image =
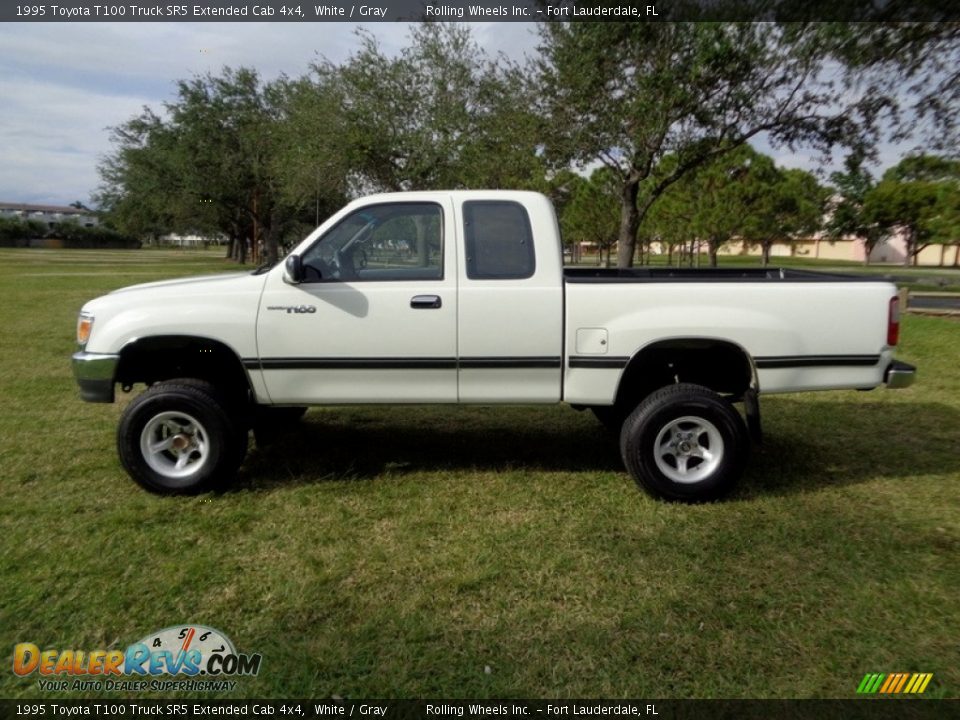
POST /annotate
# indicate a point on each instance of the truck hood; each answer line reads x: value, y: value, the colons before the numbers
x: 220, y: 307
x: 195, y: 292
x: 212, y: 280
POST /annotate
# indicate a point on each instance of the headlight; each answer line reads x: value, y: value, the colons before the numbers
x: 84, y: 328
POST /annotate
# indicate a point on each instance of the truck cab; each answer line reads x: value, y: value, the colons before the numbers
x: 426, y: 297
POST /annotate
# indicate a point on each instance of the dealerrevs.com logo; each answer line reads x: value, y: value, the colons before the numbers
x: 205, y: 656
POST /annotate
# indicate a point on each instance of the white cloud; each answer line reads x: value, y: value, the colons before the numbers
x: 52, y: 135
x: 63, y: 84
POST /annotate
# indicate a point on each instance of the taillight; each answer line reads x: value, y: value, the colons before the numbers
x: 893, y: 321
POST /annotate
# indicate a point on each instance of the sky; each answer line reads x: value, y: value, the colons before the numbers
x: 63, y: 85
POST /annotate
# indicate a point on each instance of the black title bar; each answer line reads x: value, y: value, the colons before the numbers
x: 482, y: 11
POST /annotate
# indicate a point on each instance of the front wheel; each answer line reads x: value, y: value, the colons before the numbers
x: 684, y: 442
x: 177, y: 437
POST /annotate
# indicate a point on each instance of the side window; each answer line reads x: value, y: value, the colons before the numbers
x: 397, y: 241
x: 498, y: 240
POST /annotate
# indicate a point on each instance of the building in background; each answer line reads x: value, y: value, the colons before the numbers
x: 50, y: 215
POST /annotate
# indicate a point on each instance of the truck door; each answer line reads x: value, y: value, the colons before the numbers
x: 374, y: 319
x: 510, y: 326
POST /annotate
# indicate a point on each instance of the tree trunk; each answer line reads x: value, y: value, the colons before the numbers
x: 629, y: 223
x: 712, y: 247
x: 272, y: 238
x: 242, y: 250
x: 765, y: 249
x: 909, y: 243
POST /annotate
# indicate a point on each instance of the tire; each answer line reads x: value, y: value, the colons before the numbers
x: 197, y: 444
x: 684, y: 442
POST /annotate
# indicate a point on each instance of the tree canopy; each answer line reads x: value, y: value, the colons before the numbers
x: 652, y: 104
x: 629, y: 95
x: 208, y: 164
x: 441, y: 114
x: 742, y: 196
x: 918, y: 198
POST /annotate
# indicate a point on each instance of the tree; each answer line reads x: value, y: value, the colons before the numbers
x: 208, y: 164
x: 591, y: 214
x: 917, y: 198
x: 721, y: 193
x: 849, y: 213
x: 780, y: 205
x: 311, y: 163
x: 441, y: 114
x: 910, y: 71
x: 140, y: 193
x: 228, y: 127
x: 670, y: 220
x: 629, y: 95
x: 945, y: 224
x: 744, y: 196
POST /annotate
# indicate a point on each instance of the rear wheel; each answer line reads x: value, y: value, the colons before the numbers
x: 177, y: 437
x: 684, y: 442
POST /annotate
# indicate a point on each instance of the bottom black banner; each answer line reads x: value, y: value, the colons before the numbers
x: 868, y: 709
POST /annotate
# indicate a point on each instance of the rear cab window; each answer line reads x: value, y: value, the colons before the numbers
x: 498, y: 240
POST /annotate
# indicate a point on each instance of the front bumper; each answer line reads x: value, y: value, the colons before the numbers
x: 899, y: 375
x: 95, y: 373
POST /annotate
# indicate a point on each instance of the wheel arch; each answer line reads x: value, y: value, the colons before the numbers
x: 155, y: 358
x: 719, y: 364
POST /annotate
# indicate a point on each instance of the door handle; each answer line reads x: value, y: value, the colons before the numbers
x: 426, y: 302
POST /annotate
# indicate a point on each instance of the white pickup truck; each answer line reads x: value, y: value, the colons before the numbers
x: 461, y: 297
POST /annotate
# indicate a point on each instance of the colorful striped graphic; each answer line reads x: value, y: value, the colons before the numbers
x: 894, y: 683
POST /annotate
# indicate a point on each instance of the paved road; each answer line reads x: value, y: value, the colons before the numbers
x: 921, y: 302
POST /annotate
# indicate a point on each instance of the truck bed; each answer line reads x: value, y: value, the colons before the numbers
x: 670, y: 274
x: 802, y: 330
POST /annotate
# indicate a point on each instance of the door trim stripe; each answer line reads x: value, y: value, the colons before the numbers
x: 402, y: 363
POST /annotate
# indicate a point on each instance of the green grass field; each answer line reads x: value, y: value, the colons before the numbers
x: 476, y: 552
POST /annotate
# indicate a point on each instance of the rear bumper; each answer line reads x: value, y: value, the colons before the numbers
x: 899, y: 375
x: 95, y: 373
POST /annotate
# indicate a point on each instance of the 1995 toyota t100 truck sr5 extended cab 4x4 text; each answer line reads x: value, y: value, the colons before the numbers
x: 461, y: 297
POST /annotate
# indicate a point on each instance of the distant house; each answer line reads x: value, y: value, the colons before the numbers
x: 48, y: 214
x: 191, y: 240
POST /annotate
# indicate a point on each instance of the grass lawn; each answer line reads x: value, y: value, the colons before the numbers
x: 476, y: 552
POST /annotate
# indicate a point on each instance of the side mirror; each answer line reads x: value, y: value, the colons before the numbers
x: 293, y: 270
